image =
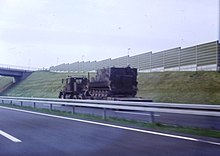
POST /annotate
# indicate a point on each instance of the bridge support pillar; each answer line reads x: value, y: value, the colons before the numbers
x: 16, y: 79
x: 13, y: 80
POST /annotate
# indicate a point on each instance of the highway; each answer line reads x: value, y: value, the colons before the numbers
x: 47, y: 135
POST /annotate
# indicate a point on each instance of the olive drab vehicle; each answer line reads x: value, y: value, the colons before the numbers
x: 74, y: 88
x: 108, y: 83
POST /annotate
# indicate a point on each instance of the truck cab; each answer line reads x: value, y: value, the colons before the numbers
x: 74, y: 88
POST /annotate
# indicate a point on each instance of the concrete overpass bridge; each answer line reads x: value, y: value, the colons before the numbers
x: 15, y: 72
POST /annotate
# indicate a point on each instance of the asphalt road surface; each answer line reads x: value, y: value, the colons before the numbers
x: 46, y: 135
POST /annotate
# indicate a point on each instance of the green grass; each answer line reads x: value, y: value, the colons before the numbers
x: 40, y: 84
x: 179, y: 87
x: 4, y: 81
x: 125, y: 122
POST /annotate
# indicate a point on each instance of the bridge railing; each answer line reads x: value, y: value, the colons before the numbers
x: 190, y: 109
x: 6, y: 66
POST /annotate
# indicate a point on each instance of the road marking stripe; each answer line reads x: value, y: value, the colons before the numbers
x: 10, y: 137
x: 119, y: 127
x: 135, y: 113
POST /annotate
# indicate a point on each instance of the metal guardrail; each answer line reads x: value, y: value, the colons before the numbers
x: 190, y: 109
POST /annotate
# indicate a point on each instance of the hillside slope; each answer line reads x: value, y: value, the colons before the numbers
x: 38, y: 84
x: 180, y: 87
x: 5, y: 82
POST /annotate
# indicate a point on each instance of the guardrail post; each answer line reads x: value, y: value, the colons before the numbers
x: 21, y: 103
x: 2, y: 101
x: 104, y: 114
x: 51, y: 107
x: 151, y: 118
x: 73, y: 110
x: 11, y: 102
x: 34, y: 105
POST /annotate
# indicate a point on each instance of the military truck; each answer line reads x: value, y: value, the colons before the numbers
x: 108, y: 83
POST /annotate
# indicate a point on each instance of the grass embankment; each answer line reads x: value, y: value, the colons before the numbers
x: 181, y: 87
x: 40, y: 84
x: 125, y: 122
x: 5, y: 81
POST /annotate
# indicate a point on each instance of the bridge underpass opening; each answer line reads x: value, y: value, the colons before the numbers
x: 17, y: 74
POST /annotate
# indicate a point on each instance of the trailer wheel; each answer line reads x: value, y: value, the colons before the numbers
x: 60, y: 95
x: 64, y: 96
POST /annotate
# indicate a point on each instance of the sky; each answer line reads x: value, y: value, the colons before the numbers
x: 44, y: 33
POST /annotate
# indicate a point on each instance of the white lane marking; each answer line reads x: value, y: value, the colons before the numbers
x: 135, y: 113
x: 10, y: 137
x: 119, y: 127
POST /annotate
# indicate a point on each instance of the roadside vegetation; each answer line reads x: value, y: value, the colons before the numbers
x: 5, y: 82
x: 179, y: 87
x: 126, y: 122
x: 40, y: 84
